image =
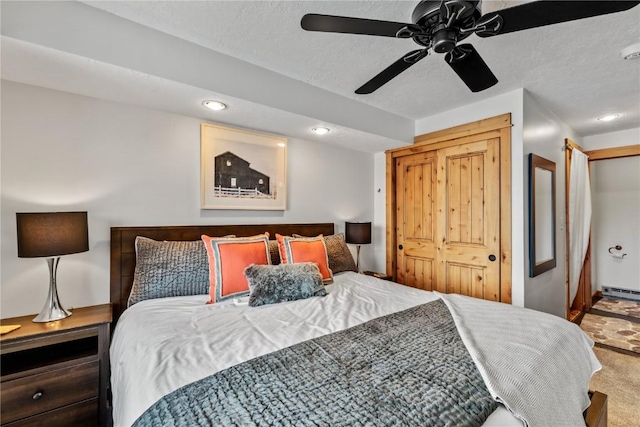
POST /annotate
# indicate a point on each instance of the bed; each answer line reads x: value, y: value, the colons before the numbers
x: 534, y: 366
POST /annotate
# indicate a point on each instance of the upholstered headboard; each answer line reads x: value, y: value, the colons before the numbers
x: 123, y: 254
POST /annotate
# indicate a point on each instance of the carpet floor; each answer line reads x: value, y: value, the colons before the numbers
x: 618, y: 306
x: 614, y: 325
x: 620, y: 381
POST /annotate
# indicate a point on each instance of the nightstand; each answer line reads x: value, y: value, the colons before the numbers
x: 378, y: 275
x: 56, y: 373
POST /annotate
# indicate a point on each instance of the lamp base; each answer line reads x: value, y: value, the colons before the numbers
x: 50, y: 314
x: 52, y: 309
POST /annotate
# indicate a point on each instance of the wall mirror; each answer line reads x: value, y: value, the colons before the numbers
x: 542, y: 215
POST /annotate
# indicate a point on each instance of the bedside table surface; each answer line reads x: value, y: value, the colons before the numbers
x: 81, y: 318
x: 382, y: 276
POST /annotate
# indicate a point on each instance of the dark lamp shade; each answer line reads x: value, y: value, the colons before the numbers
x: 358, y: 233
x: 52, y: 234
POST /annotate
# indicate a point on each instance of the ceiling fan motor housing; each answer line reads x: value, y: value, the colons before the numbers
x: 437, y: 33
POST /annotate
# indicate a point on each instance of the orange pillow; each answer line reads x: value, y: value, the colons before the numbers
x: 228, y: 257
x: 305, y: 249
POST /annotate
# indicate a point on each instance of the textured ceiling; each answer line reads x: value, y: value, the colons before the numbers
x: 574, y: 69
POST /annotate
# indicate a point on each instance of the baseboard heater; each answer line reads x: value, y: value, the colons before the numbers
x: 621, y: 293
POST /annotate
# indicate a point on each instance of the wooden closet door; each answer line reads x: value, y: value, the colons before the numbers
x: 416, y: 190
x: 468, y: 217
x: 448, y: 219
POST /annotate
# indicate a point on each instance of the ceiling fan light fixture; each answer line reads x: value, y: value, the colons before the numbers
x: 608, y: 117
x: 214, y: 105
x: 444, y: 40
x: 320, y: 130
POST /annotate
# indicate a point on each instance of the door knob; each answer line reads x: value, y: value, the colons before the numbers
x: 492, y: 257
x: 400, y: 247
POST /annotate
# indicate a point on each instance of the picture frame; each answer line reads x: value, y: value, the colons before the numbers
x: 242, y: 169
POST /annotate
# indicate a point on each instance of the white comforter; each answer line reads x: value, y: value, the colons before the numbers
x: 536, y: 364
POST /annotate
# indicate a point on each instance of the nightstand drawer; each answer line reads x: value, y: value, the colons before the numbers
x: 83, y: 414
x: 33, y: 394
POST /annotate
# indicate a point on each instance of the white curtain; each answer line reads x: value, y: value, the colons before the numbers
x: 579, y: 217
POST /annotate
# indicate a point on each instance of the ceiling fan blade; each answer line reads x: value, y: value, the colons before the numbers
x: 471, y: 68
x: 343, y: 24
x: 392, y: 71
x: 541, y: 13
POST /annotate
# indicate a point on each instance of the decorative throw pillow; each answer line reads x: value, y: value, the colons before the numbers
x: 228, y: 257
x: 305, y: 249
x: 272, y: 284
x: 168, y: 269
x: 274, y: 252
x: 340, y: 258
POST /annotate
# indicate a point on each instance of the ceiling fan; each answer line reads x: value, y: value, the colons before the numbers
x: 439, y: 25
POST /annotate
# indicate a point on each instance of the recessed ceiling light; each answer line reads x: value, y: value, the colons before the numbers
x: 631, y: 52
x: 609, y: 117
x: 214, y: 105
x: 320, y: 130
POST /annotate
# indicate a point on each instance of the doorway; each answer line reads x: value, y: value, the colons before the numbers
x: 583, y: 299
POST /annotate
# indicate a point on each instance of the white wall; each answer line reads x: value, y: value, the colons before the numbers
x: 131, y: 166
x: 615, y: 187
x: 380, y: 214
x: 544, y: 134
x: 612, y: 139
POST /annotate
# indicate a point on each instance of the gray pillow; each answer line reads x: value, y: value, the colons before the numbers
x: 339, y: 255
x: 271, y: 284
x: 169, y: 269
x: 274, y: 252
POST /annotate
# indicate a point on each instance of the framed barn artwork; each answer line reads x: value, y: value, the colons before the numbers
x: 242, y: 169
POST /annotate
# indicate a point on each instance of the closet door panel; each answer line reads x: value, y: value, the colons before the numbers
x: 419, y: 273
x: 416, y: 220
x: 468, y: 207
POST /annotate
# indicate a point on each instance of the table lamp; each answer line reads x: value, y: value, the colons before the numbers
x: 358, y: 233
x: 51, y: 235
